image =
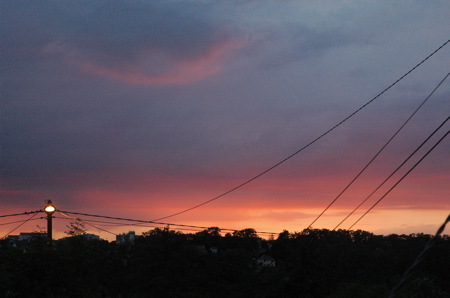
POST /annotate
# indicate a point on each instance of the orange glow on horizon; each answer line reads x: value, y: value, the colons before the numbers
x: 379, y: 222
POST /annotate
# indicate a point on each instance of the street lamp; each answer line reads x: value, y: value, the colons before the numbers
x: 49, y: 209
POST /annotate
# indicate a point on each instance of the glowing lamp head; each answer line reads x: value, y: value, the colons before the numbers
x: 49, y: 209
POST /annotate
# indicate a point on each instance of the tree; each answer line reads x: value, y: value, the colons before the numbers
x: 246, y: 233
x: 284, y: 235
x: 213, y: 231
x: 40, y: 229
x: 76, y: 228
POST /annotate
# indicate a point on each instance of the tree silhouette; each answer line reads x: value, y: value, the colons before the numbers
x: 166, y: 263
x: 76, y: 228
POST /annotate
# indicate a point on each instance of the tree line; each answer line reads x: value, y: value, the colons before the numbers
x: 167, y: 263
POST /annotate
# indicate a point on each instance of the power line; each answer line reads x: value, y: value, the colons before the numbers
x: 309, y: 144
x: 378, y: 153
x: 71, y: 217
x: 35, y: 213
x: 376, y: 203
x: 25, y: 220
x: 152, y: 222
x: 118, y: 224
x: 100, y: 221
x: 395, y: 171
x: 142, y: 225
x: 419, y: 258
x: 24, y: 213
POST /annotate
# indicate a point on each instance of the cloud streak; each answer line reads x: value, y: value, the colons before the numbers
x: 180, y: 72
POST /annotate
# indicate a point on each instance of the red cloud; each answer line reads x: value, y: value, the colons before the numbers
x: 182, y: 72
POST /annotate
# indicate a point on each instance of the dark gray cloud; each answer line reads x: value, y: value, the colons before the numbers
x: 49, y: 123
x: 118, y: 35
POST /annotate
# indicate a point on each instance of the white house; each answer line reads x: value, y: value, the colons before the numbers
x: 265, y: 261
x: 126, y: 238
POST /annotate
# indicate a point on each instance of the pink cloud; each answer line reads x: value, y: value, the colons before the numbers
x: 180, y: 72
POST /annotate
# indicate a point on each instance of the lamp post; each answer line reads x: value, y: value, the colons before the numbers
x: 49, y: 209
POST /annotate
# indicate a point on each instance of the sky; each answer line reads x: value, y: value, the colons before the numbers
x: 143, y: 109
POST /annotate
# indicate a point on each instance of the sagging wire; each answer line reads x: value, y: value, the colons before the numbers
x: 419, y: 259
x: 4, y: 237
x: 80, y: 220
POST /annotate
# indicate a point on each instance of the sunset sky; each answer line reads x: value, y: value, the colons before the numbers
x: 143, y: 109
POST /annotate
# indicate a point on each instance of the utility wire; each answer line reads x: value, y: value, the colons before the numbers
x: 100, y: 221
x: 4, y: 237
x: 392, y: 174
x: 71, y: 217
x: 153, y: 222
x: 118, y: 224
x: 103, y: 223
x: 25, y: 213
x: 309, y: 144
x: 419, y: 258
x: 378, y: 153
x: 143, y: 225
x: 13, y: 222
x: 376, y: 203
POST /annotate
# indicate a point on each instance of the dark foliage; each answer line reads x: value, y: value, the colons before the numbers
x: 166, y: 263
